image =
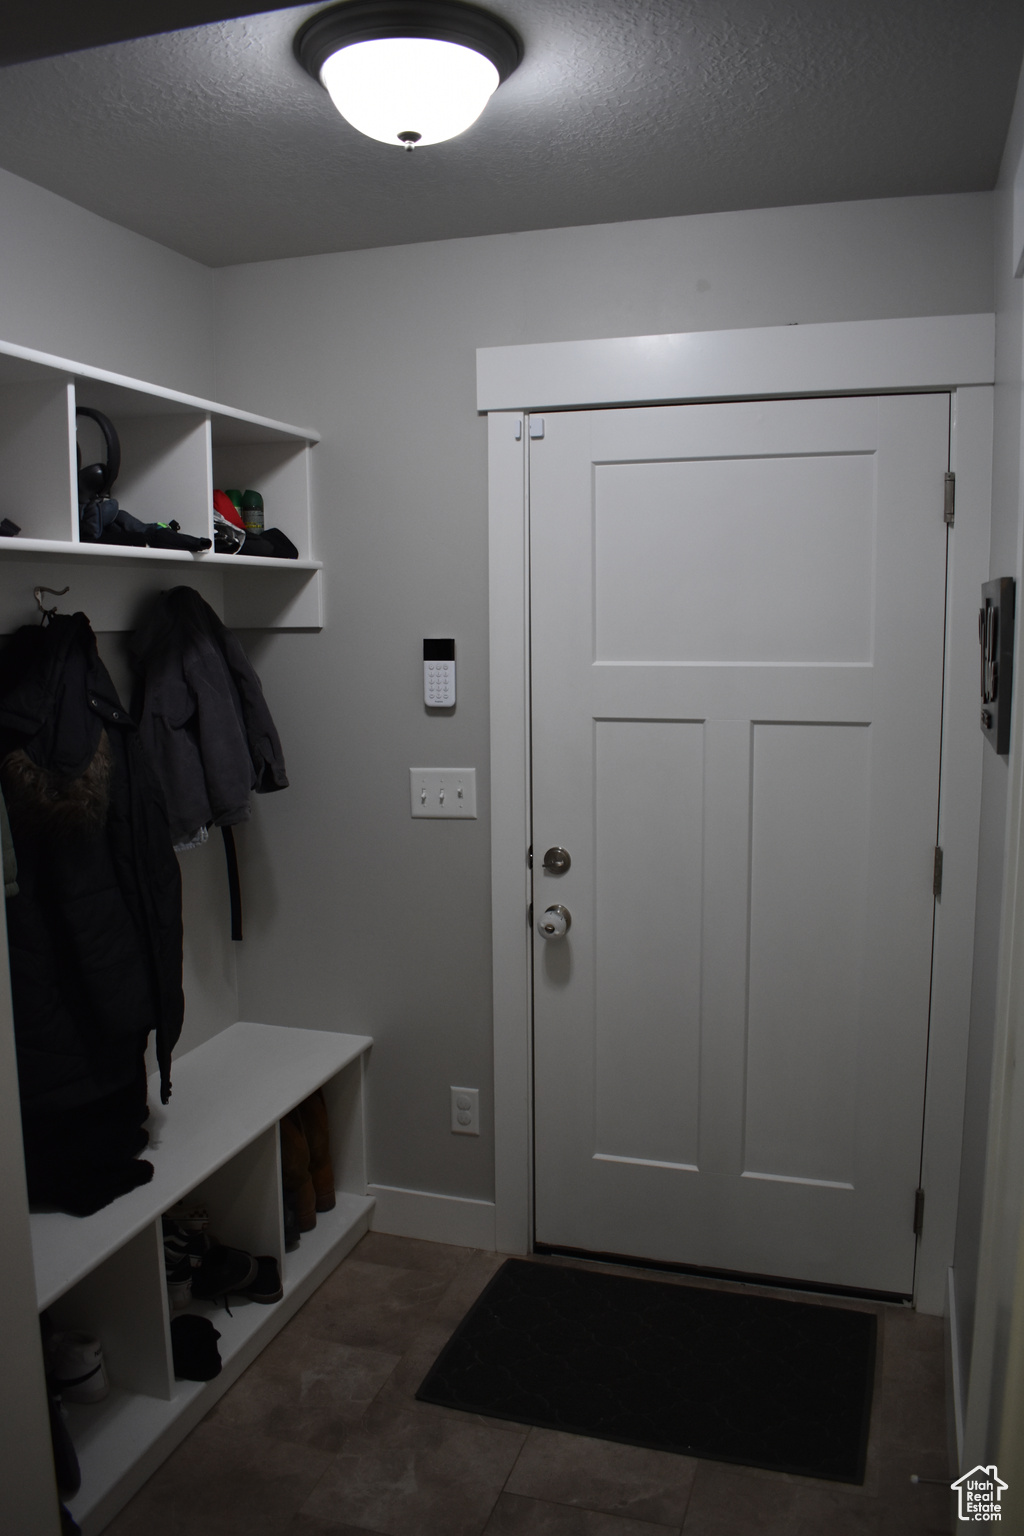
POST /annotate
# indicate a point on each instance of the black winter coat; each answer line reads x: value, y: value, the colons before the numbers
x: 95, y: 931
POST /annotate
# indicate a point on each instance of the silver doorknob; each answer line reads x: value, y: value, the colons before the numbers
x: 555, y: 922
x: 557, y: 861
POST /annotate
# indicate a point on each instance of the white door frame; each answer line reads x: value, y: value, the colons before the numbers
x: 950, y: 352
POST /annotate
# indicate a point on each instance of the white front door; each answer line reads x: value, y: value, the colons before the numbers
x: 737, y: 649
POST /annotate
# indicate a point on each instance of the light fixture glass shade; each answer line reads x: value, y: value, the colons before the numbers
x: 394, y: 86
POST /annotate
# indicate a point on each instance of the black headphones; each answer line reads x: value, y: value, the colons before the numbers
x: 95, y: 480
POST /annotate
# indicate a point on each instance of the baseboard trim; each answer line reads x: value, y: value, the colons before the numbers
x: 955, y: 1380
x: 436, y: 1218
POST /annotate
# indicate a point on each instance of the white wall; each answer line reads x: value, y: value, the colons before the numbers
x: 358, y: 916
x: 76, y: 285
x: 1005, y: 561
x: 989, y: 1258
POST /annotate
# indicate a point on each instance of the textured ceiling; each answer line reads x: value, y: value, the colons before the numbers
x: 216, y: 143
x: 38, y: 29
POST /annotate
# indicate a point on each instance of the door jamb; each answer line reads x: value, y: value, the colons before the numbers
x: 954, y: 353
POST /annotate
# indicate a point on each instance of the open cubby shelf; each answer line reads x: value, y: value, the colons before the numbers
x: 175, y: 448
x: 216, y: 1142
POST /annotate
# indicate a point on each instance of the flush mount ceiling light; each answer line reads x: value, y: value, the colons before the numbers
x: 410, y: 73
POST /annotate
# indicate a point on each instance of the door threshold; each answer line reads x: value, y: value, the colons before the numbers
x: 737, y: 1277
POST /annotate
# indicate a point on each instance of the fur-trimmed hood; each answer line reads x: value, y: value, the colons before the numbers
x: 51, y: 800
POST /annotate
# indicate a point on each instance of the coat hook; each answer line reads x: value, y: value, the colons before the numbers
x: 47, y: 613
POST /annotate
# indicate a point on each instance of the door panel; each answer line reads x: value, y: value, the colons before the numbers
x: 808, y: 887
x: 681, y: 551
x: 649, y: 779
x: 737, y: 630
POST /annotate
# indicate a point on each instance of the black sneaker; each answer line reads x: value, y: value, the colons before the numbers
x: 267, y: 1286
x: 185, y: 1243
x: 221, y: 1272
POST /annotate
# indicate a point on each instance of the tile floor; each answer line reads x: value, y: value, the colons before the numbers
x: 322, y: 1436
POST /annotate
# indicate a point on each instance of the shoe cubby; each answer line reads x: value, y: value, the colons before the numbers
x: 174, y: 449
x: 37, y: 490
x: 273, y: 465
x: 164, y: 458
x: 215, y: 1144
x: 243, y: 1199
x: 136, y: 1353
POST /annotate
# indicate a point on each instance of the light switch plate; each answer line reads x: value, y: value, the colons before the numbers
x: 443, y: 792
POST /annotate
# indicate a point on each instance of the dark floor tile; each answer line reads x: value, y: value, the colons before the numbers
x: 399, y: 1391
x: 398, y: 1394
x: 222, y: 1481
x: 411, y: 1253
x: 915, y: 1509
x: 913, y: 1352
x: 466, y: 1286
x: 410, y: 1475
x: 900, y: 1460
x: 306, y: 1390
x: 316, y: 1525
x: 372, y: 1305
x: 515, y: 1516
x: 739, y: 1501
x: 913, y: 1384
x: 624, y: 1480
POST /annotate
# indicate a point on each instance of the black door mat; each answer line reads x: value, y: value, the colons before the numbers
x: 784, y: 1385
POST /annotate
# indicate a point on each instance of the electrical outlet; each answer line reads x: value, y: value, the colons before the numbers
x: 443, y: 792
x: 466, y: 1111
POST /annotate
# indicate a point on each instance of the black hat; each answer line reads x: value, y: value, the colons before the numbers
x: 194, y: 1348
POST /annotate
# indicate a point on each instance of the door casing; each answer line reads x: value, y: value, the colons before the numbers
x: 953, y: 353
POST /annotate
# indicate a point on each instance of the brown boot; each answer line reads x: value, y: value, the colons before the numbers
x: 298, y: 1186
x: 312, y: 1114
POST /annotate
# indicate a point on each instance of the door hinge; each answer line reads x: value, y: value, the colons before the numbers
x: 949, y: 498
x: 918, y: 1212
x: 529, y: 857
x: 937, y: 874
x: 529, y: 915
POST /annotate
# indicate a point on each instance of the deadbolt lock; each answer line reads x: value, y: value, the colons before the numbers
x: 557, y: 861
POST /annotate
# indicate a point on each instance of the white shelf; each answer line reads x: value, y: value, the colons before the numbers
x: 113, y: 554
x: 24, y: 364
x: 223, y: 1095
x: 175, y: 449
x: 216, y: 1140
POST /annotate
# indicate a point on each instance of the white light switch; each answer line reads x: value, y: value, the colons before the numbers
x: 443, y: 792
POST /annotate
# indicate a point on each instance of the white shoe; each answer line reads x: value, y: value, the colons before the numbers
x: 77, y: 1371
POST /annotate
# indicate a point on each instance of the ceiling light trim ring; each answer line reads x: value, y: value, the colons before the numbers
x: 449, y: 21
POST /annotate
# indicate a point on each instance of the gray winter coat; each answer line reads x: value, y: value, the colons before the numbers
x: 202, y: 715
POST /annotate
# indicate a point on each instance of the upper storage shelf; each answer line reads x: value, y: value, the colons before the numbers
x: 175, y: 448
